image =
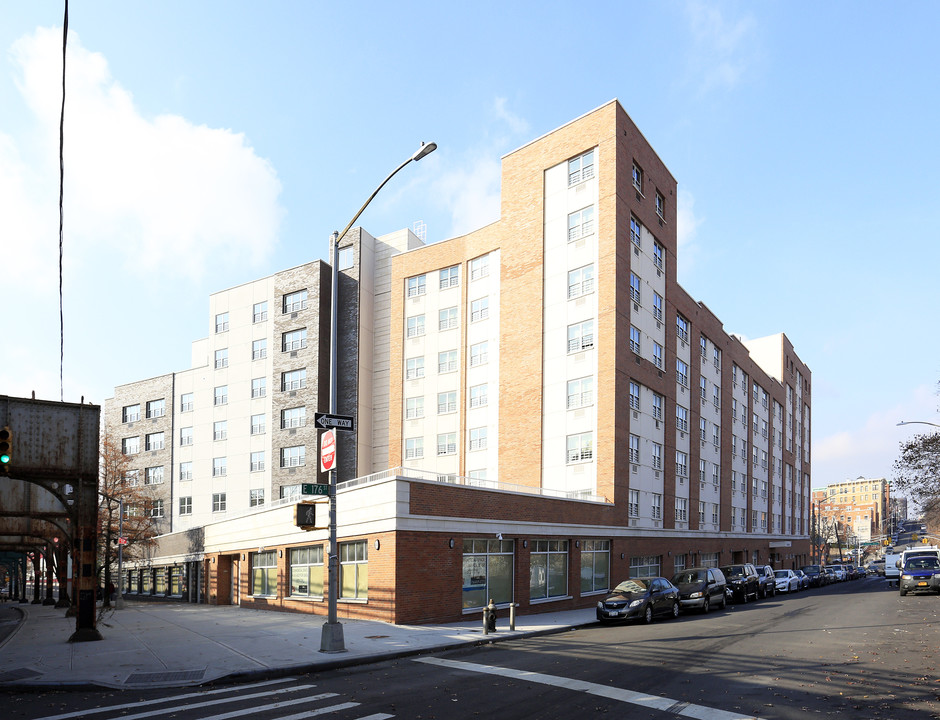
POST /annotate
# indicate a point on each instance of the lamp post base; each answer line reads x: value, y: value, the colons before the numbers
x: 331, y: 638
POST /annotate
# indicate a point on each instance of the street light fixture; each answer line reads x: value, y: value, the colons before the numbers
x: 331, y: 637
x: 917, y: 422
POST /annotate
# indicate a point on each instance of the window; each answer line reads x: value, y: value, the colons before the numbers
x: 449, y: 277
x: 156, y: 508
x: 256, y: 497
x: 221, y: 322
x: 716, y: 357
x: 479, y: 309
x: 130, y: 413
x: 634, y: 506
x: 414, y: 448
x: 580, y: 447
x: 581, y: 168
x: 153, y: 476
x: 479, y: 354
x: 634, y: 287
x: 257, y: 424
x: 131, y: 445
x: 581, y: 336
x: 447, y: 361
x: 635, y: 339
x: 658, y: 355
x: 635, y: 234
x: 294, y: 456
x: 657, y: 456
x: 682, y: 464
x: 660, y: 205
x: 548, y: 569
x: 153, y: 441
x: 446, y: 402
x: 414, y: 408
x: 580, y: 393
x: 186, y: 470
x: 682, y: 328
x: 595, y: 565
x: 447, y: 319
x: 218, y: 502
x: 682, y: 373
x: 257, y: 461
x: 259, y: 349
x: 682, y: 509
x: 306, y: 571
x: 657, y: 406
x: 414, y: 368
x: 417, y: 285
x: 634, y: 396
x: 220, y: 395
x: 478, y: 437
x: 580, y: 281
x: 294, y: 340
x: 658, y: 255
x: 186, y: 402
x: 414, y: 326
x: 682, y: 418
x: 264, y: 573
x: 638, y: 178
x: 186, y: 506
x: 354, y: 570
x: 480, y: 267
x: 220, y: 430
x: 156, y: 408
x: 581, y: 224
x: 716, y: 397
x: 479, y: 396
x: 658, y: 306
x: 487, y: 572
x: 447, y: 444
x: 656, y: 506
x: 221, y: 358
x: 219, y: 467
x: 259, y: 311
x: 701, y: 513
x: 703, y: 387
x: 290, y: 492
x: 634, y: 448
x: 294, y: 379
x: 346, y: 257
x: 646, y: 566
x: 293, y: 417
x: 295, y: 301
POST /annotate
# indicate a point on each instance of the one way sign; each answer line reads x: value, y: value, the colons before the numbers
x: 337, y: 422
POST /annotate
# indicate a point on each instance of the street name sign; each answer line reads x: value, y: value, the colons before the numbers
x: 338, y: 422
x: 314, y: 489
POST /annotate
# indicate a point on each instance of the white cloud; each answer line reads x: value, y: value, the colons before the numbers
x: 142, y: 193
x: 687, y: 225
x: 722, y: 50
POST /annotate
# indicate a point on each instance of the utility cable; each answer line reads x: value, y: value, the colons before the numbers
x: 65, y: 35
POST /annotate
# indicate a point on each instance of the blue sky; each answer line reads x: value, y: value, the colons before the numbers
x: 212, y: 143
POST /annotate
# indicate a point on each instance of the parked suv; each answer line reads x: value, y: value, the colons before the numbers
x: 768, y: 583
x: 743, y: 582
x: 700, y: 588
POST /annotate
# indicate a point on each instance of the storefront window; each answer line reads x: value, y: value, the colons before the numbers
x: 487, y: 572
x: 548, y: 569
x: 306, y: 571
x: 176, y: 581
x: 354, y: 570
x: 595, y: 565
x: 145, y: 583
x: 264, y: 573
x: 161, y: 581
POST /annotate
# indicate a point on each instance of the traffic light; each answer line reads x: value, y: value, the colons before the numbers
x: 6, y: 446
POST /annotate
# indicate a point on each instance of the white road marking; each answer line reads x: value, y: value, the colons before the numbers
x: 377, y: 716
x: 275, y: 706
x: 655, y: 702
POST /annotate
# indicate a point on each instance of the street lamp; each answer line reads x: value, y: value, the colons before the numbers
x: 917, y: 422
x: 331, y: 637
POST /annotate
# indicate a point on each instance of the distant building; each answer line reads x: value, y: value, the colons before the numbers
x: 857, y: 507
x: 541, y: 411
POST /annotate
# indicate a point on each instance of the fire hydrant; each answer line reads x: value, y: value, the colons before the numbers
x: 489, y: 618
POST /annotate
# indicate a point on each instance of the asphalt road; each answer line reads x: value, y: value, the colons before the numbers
x: 855, y: 649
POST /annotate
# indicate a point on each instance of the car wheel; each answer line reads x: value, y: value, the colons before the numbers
x: 648, y: 614
x: 724, y: 601
x: 675, y: 610
x: 705, y: 607
x: 903, y: 592
x: 744, y: 596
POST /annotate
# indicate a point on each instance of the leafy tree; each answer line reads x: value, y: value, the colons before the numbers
x: 917, y: 470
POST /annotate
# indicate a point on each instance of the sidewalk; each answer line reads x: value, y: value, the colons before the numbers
x: 167, y: 645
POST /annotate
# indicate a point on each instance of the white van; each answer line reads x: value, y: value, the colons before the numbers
x: 922, y: 551
x: 892, y: 566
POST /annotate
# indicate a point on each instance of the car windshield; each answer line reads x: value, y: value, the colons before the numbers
x: 632, y: 586
x: 781, y: 574
x: 810, y: 569
x: 923, y: 563
x: 692, y: 576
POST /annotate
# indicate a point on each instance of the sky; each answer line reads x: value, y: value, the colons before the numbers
x: 213, y: 143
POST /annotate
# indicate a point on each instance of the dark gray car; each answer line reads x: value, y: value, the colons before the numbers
x: 700, y: 588
x: 743, y: 581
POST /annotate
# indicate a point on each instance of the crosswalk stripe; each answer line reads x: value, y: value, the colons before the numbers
x: 377, y: 716
x: 275, y: 706
x: 656, y: 702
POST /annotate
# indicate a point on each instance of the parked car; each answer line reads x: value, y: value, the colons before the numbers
x: 743, y: 582
x: 804, y: 579
x: 786, y: 581
x: 838, y: 571
x: 920, y: 574
x: 830, y: 575
x: 816, y: 575
x: 767, y: 584
x: 640, y: 599
x: 700, y: 588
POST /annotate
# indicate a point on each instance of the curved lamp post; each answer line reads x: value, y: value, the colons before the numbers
x: 331, y: 636
x: 918, y: 422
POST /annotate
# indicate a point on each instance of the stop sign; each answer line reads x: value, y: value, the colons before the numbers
x: 327, y: 451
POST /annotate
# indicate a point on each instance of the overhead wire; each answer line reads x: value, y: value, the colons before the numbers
x: 65, y: 35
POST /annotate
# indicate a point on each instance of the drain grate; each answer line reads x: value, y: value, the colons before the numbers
x: 375, y: 637
x: 161, y: 677
x: 18, y: 674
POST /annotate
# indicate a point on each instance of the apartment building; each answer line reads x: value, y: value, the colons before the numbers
x: 541, y: 411
x: 859, y: 508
